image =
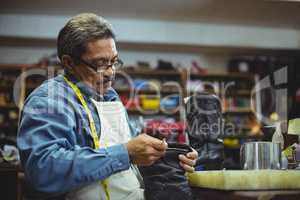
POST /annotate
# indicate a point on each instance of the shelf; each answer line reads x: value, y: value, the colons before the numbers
x: 238, y: 93
x: 17, y: 66
x: 180, y: 77
x: 244, y: 136
x: 8, y: 86
x: 232, y: 148
x: 239, y: 111
x: 7, y: 167
x: 223, y: 76
x: 245, y: 128
x: 9, y: 125
x: 195, y: 48
x: 146, y: 91
x: 152, y: 112
x: 32, y: 86
x: 8, y: 106
x: 151, y: 72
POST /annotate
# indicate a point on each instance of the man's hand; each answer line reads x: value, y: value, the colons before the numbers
x: 188, y: 161
x: 145, y: 150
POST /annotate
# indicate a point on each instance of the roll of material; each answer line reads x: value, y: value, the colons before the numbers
x: 246, y: 179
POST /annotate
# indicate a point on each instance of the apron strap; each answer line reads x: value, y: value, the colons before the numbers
x: 92, y: 126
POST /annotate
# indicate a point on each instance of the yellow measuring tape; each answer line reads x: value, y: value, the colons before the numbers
x: 92, y: 126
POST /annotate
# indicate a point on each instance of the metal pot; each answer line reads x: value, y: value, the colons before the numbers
x: 260, y: 155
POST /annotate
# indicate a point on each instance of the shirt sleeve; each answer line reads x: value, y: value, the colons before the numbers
x: 52, y: 160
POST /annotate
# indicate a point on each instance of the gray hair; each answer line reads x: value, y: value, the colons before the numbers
x: 79, y: 30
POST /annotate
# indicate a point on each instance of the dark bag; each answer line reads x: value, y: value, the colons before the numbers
x: 205, y: 129
x: 165, y: 179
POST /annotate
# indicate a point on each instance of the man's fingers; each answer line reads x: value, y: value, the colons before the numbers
x: 160, y: 145
x: 186, y: 160
x: 153, y: 158
x: 145, y: 150
x: 193, y: 155
x: 149, y: 161
x: 153, y: 152
x: 187, y: 168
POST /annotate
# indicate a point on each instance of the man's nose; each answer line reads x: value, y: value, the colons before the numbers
x: 110, y: 71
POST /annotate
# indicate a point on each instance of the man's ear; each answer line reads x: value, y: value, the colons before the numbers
x: 67, y: 62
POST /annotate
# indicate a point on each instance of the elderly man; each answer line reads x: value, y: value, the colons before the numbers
x: 74, y: 136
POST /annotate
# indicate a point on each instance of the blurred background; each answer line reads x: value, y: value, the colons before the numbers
x: 247, y: 53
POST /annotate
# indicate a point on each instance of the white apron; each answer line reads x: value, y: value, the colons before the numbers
x: 123, y: 185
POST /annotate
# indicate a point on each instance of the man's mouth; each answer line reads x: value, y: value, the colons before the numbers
x: 108, y: 79
x: 105, y: 80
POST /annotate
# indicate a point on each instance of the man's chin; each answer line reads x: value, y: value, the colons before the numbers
x: 103, y: 87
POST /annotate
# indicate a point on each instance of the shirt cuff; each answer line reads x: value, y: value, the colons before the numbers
x: 120, y: 157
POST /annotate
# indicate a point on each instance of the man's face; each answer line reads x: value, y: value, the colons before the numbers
x: 97, y: 53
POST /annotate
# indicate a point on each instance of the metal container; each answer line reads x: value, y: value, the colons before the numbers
x: 260, y: 155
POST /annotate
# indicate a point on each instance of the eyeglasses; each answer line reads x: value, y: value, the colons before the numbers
x: 103, y: 66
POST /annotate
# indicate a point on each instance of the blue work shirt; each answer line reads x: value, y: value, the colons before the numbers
x: 55, y: 140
